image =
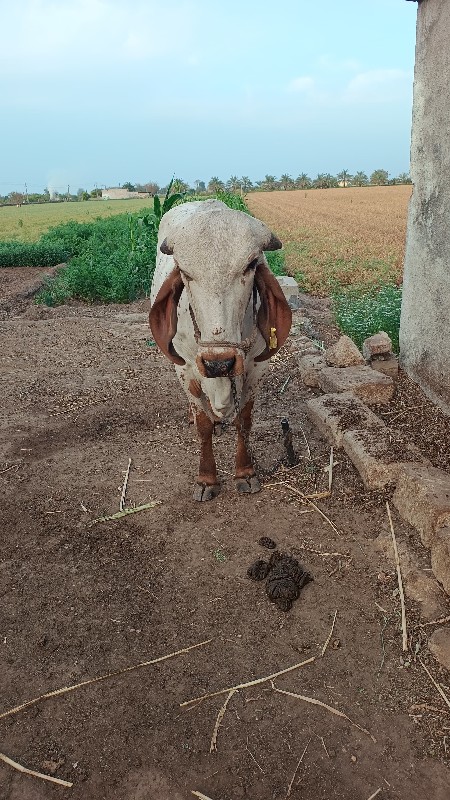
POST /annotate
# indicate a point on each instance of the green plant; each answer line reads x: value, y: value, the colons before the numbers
x: 39, y: 254
x: 361, y: 311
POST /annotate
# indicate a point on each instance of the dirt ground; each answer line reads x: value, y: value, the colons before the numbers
x: 84, y: 390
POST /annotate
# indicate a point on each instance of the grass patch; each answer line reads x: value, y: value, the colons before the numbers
x: 361, y: 311
x: 24, y: 254
x: 113, y: 259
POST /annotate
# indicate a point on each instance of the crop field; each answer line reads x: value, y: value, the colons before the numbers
x: 27, y: 223
x: 338, y: 237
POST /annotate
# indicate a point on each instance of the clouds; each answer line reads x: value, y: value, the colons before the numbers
x: 333, y: 88
x: 53, y: 34
x: 379, y: 86
x: 303, y: 84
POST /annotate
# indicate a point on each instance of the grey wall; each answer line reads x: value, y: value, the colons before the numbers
x: 425, y: 320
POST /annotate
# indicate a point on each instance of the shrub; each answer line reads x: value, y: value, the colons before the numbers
x: 361, y: 311
x: 39, y: 254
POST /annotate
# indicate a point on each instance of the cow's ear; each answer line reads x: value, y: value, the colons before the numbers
x: 274, y: 317
x: 163, y: 315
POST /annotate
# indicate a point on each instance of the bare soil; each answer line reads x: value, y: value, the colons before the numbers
x: 84, y: 390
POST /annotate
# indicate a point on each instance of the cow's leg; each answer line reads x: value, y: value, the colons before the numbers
x: 245, y: 477
x: 206, y: 487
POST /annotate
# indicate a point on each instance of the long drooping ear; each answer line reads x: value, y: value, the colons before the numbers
x: 163, y: 315
x: 274, y: 315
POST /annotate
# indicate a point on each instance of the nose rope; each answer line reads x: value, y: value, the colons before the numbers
x: 245, y: 345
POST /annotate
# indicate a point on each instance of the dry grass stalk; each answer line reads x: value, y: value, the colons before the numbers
x: 125, y: 512
x: 374, y: 794
x: 400, y: 582
x: 285, y: 384
x: 307, y: 499
x: 253, y: 758
x: 247, y: 684
x: 306, y: 441
x: 323, y: 553
x: 114, y: 674
x: 330, y: 472
x: 288, y: 794
x: 220, y: 716
x: 32, y: 772
x: 201, y: 796
x: 435, y: 622
x: 323, y: 705
x: 324, y: 648
x: 436, y: 684
x: 124, y: 487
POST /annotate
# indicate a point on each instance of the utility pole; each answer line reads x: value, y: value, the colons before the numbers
x: 26, y: 193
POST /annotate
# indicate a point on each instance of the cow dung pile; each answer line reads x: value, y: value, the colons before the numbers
x: 284, y: 575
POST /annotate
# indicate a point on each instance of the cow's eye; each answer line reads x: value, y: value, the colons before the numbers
x: 251, y: 266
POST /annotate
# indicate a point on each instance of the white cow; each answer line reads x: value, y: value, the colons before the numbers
x: 219, y: 314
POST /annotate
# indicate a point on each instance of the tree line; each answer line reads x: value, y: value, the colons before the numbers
x: 242, y: 185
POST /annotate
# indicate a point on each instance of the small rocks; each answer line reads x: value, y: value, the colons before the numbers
x: 309, y: 367
x: 334, y: 414
x: 343, y: 354
x: 439, y: 645
x: 378, y: 344
x: 422, y: 497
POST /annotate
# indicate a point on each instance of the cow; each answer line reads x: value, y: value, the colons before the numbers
x: 218, y: 313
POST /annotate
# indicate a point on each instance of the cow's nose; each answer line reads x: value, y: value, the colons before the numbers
x: 218, y: 368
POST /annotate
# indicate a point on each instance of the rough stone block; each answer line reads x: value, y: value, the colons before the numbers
x: 343, y: 353
x: 334, y: 414
x: 370, y: 386
x: 422, y: 497
x: 306, y: 347
x: 375, y: 345
x: 439, y: 645
x: 289, y: 287
x: 387, y: 366
x: 440, y: 557
x: 309, y: 368
x: 419, y: 585
x: 379, y: 455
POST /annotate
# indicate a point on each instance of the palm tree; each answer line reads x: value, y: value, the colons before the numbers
x: 286, y: 182
x: 303, y: 181
x: 270, y: 183
x: 233, y: 184
x: 246, y: 184
x: 360, y: 179
x: 179, y: 186
x: 344, y: 178
x: 216, y: 185
x: 325, y: 181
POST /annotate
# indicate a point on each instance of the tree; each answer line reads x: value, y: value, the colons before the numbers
x: 286, y: 182
x: 325, y: 181
x: 344, y: 178
x: 233, y: 184
x: 269, y: 183
x: 129, y: 186
x: 404, y: 177
x: 360, y: 179
x: 246, y: 184
x: 303, y: 181
x: 179, y: 186
x: 215, y: 185
x: 379, y: 177
x: 199, y: 186
x: 151, y: 187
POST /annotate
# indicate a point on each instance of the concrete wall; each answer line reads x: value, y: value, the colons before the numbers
x: 425, y: 321
x: 123, y: 194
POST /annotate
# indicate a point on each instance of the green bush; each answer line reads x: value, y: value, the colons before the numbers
x: 39, y: 254
x: 361, y: 311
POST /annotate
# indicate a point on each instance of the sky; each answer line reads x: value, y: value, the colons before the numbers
x: 100, y: 92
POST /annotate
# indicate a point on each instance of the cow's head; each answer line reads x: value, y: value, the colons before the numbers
x: 219, y: 261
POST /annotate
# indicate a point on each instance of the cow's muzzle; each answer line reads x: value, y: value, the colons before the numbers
x: 212, y: 363
x: 219, y: 368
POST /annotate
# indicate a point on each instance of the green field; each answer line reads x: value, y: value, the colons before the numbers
x: 27, y: 223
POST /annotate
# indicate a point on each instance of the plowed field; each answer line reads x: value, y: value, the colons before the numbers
x: 348, y: 236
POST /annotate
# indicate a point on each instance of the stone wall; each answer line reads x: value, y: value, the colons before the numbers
x: 425, y: 320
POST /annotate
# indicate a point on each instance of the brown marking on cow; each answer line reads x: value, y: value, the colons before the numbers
x: 207, y: 469
x: 195, y: 388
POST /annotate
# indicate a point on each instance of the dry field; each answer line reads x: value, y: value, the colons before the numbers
x: 348, y: 236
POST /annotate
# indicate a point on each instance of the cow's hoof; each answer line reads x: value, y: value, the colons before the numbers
x: 249, y: 485
x: 203, y: 492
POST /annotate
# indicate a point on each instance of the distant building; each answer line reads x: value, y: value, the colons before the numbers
x: 123, y: 194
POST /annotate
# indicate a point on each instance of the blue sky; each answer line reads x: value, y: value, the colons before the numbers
x: 107, y: 91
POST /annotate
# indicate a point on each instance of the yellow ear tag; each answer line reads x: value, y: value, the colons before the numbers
x: 273, y: 341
